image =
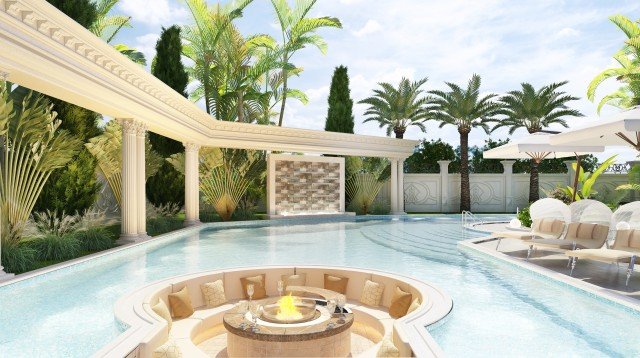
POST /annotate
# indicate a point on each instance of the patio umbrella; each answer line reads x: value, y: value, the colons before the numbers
x: 621, y: 129
x: 538, y: 146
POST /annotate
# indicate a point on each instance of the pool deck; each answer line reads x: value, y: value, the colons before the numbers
x: 602, y: 279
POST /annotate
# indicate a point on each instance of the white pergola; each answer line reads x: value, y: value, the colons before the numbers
x: 43, y: 49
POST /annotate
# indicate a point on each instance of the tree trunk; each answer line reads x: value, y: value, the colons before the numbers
x: 399, y: 132
x: 465, y: 191
x: 534, y: 182
x: 240, y: 107
x: 284, y: 96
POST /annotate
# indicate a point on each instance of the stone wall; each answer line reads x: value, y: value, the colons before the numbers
x: 305, y: 184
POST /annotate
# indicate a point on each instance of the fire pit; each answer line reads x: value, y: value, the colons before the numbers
x: 290, y: 309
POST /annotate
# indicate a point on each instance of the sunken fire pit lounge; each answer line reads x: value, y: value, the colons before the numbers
x: 279, y: 311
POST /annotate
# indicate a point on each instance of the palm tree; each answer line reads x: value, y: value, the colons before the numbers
x: 108, y: 26
x: 298, y: 32
x: 465, y: 109
x: 535, y: 111
x: 398, y: 108
x: 629, y: 71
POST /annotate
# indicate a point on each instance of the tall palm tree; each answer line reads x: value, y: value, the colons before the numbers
x: 108, y: 26
x: 398, y: 108
x: 629, y: 71
x: 298, y: 32
x: 465, y: 109
x: 535, y: 111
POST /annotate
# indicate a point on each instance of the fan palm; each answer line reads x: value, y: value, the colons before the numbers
x: 31, y: 147
x: 535, y: 110
x: 107, y: 149
x: 298, y: 32
x: 464, y: 108
x: 629, y: 71
x: 365, y: 178
x: 398, y: 108
x: 108, y: 26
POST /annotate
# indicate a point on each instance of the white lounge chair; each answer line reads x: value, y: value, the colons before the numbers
x: 547, y: 228
x: 578, y: 236
x: 626, y: 248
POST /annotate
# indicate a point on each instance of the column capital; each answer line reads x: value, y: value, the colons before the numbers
x: 191, y: 147
x: 141, y: 129
x: 4, y: 75
x: 508, y: 165
x: 129, y: 126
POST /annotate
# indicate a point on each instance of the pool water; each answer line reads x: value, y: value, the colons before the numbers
x: 498, y: 310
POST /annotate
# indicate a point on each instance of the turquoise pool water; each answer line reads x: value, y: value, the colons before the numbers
x: 498, y: 310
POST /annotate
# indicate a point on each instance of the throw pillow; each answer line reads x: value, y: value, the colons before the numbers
x: 372, y: 293
x: 400, y: 303
x: 213, y: 293
x: 336, y: 283
x: 258, y: 282
x: 180, y: 303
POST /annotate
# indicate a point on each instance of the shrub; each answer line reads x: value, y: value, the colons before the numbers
x: 56, y: 248
x: 525, y: 217
x: 559, y: 194
x: 167, y: 210
x: 17, y: 257
x: 159, y: 226
x: 95, y: 239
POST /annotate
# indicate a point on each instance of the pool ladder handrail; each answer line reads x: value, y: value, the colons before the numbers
x: 469, y: 219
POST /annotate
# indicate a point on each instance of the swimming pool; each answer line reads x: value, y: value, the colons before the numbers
x: 498, y: 310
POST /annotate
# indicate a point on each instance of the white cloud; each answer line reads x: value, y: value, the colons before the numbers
x: 153, y: 12
x: 147, y: 45
x: 567, y: 32
x: 372, y: 26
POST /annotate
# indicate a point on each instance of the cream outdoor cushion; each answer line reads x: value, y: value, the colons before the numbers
x: 372, y: 293
x: 294, y: 280
x: 213, y: 293
x: 388, y: 349
x: 627, y: 239
x: 336, y: 283
x: 162, y: 310
x: 415, y: 304
x: 168, y: 350
x: 258, y: 281
x: 400, y: 303
x: 180, y: 303
x: 608, y: 255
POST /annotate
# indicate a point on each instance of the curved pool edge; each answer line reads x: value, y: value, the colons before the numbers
x: 606, y: 296
x: 411, y: 328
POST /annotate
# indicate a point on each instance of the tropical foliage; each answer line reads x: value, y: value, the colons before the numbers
x: 225, y: 175
x: 628, y: 72
x: 427, y: 154
x: 587, y: 180
x: 365, y: 178
x: 464, y: 108
x: 107, y: 149
x: 536, y: 110
x: 398, y: 108
x: 107, y: 27
x: 298, y: 31
x: 31, y: 147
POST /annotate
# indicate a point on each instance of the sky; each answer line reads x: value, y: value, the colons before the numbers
x: 506, y: 42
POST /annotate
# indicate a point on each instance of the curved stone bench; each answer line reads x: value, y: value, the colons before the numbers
x: 145, y: 330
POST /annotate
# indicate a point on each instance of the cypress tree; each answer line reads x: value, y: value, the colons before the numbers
x: 167, y: 186
x: 340, y: 113
x: 74, y: 188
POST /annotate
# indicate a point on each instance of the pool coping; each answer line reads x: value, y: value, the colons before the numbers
x: 602, y: 294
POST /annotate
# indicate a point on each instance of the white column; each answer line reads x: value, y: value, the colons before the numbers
x: 444, y: 185
x: 191, y: 184
x: 141, y: 192
x: 570, y: 172
x: 128, y: 206
x: 4, y: 76
x: 394, y: 186
x: 508, y: 185
x: 271, y: 184
x: 401, y: 186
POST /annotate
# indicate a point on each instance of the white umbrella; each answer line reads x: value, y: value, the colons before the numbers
x: 538, y: 146
x: 621, y: 129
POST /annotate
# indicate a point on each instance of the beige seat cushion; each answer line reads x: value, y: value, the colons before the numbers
x: 213, y: 293
x: 336, y: 283
x: 557, y: 243
x: 400, y: 303
x: 294, y: 280
x: 259, y: 291
x: 180, y: 303
x: 168, y: 350
x: 627, y: 239
x: 388, y: 349
x: 372, y: 293
x: 415, y: 304
x: 162, y: 310
x: 611, y: 255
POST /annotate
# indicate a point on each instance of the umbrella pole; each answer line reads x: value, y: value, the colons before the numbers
x: 575, y: 180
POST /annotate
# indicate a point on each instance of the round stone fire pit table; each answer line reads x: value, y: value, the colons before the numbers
x: 324, y: 336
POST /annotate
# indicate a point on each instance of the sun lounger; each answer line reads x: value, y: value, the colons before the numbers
x: 578, y: 236
x: 548, y: 228
x: 626, y: 248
